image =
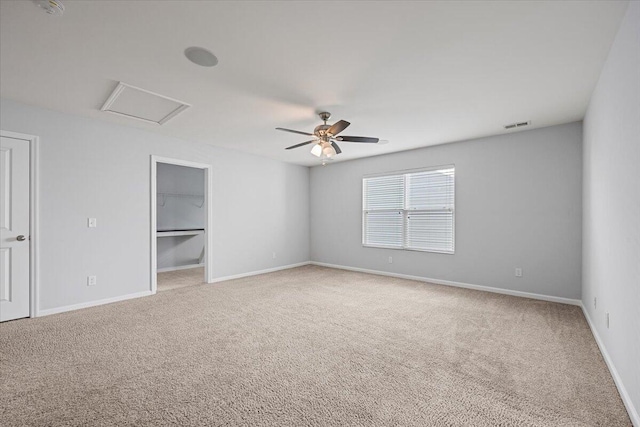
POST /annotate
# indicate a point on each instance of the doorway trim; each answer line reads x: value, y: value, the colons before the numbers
x: 208, y: 204
x: 34, y: 218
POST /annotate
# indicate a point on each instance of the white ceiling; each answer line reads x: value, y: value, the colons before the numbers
x: 414, y: 73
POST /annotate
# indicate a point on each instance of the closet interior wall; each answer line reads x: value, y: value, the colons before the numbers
x: 180, y: 217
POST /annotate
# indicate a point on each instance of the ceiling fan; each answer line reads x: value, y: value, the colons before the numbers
x: 326, y: 137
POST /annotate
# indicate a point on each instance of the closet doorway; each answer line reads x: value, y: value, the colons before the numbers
x: 180, y: 223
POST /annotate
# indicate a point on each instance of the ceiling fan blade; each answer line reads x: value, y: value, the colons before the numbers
x: 338, y: 127
x: 335, y: 147
x: 295, y: 131
x: 300, y: 145
x: 358, y: 139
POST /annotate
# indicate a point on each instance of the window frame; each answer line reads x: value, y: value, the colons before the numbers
x: 406, y: 212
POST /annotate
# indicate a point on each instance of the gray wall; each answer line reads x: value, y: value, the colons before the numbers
x: 611, y: 240
x: 180, y: 213
x: 90, y: 168
x: 518, y: 204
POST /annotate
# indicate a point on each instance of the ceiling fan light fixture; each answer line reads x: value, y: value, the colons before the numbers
x: 326, y: 139
x: 328, y: 150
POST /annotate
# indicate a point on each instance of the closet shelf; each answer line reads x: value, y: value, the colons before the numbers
x: 197, y: 196
x: 174, y: 233
x: 164, y: 196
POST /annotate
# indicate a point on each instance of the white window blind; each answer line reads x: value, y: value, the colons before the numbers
x: 429, y: 204
x: 383, y: 206
x: 412, y: 210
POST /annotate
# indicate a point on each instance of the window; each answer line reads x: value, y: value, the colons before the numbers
x: 413, y: 210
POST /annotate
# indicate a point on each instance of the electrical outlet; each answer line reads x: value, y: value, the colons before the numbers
x: 92, y: 280
x: 595, y: 303
x: 92, y: 222
x: 607, y: 320
x: 274, y: 255
x: 518, y: 272
x: 390, y: 260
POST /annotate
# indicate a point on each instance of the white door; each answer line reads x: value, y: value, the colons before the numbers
x: 14, y: 228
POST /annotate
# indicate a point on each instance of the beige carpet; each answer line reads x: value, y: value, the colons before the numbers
x: 180, y: 278
x: 309, y: 347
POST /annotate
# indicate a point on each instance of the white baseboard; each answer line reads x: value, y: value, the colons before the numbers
x: 255, y: 273
x: 457, y: 284
x: 180, y: 267
x: 72, y: 307
x: 626, y: 399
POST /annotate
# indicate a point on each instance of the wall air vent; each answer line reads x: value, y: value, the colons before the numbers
x: 517, y: 125
x: 140, y: 104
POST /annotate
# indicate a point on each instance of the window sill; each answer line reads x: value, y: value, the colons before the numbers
x: 410, y: 249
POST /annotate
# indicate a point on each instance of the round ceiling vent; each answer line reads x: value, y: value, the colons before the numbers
x: 200, y: 56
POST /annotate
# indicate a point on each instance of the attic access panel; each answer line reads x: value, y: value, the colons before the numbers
x: 136, y: 103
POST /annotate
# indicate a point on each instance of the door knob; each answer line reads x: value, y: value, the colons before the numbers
x: 21, y: 238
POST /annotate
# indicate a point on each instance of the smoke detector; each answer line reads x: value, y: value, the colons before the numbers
x: 52, y: 7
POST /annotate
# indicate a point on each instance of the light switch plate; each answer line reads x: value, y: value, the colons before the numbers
x: 92, y: 222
